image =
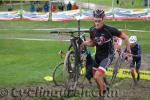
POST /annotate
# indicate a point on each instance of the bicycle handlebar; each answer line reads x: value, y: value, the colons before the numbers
x: 131, y: 55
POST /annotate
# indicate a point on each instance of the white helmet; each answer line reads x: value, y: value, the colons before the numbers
x: 133, y: 39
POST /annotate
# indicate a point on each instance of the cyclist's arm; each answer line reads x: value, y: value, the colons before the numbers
x: 126, y: 39
x: 89, y: 43
x: 116, y: 32
x: 139, y: 51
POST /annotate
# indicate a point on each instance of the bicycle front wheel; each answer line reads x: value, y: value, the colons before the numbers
x: 58, y: 74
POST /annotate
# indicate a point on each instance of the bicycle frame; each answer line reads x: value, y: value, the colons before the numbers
x: 75, y: 42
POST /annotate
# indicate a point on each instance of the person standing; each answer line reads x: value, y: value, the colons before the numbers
x: 69, y: 6
x: 32, y: 8
x: 117, y: 1
x: 145, y: 2
x: 133, y: 1
x: 53, y: 7
x: 46, y: 7
x: 61, y: 7
x: 74, y: 6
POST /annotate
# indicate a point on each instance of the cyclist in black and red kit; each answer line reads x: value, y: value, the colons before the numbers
x: 101, y: 36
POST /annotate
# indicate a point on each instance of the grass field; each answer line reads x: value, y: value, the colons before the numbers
x: 25, y: 62
x: 123, y: 3
x: 16, y: 27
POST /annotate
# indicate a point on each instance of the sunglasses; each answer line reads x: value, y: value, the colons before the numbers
x: 98, y: 21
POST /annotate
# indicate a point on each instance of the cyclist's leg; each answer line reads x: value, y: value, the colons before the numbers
x: 138, y: 65
x: 132, y: 66
x: 95, y: 69
x: 99, y: 74
x: 105, y: 63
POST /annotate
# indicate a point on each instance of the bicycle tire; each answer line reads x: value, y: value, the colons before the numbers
x: 116, y: 68
x: 69, y: 75
x: 57, y: 74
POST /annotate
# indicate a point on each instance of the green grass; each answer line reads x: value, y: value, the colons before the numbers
x: 101, y: 2
x: 37, y: 25
x: 27, y: 62
x: 15, y: 27
x: 125, y: 4
x: 24, y: 24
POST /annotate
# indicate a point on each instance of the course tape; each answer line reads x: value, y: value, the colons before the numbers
x: 122, y: 73
x: 126, y: 73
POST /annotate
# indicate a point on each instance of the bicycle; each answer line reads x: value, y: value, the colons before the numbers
x: 120, y: 62
x: 75, y: 60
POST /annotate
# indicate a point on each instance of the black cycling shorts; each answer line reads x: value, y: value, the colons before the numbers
x: 102, y: 62
x: 136, y: 62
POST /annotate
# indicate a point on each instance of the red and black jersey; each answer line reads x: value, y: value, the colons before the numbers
x: 103, y: 38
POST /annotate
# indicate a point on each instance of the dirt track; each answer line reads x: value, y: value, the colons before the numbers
x: 122, y: 90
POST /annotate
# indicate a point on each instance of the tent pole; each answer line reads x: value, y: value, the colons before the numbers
x: 50, y: 13
x: 113, y: 8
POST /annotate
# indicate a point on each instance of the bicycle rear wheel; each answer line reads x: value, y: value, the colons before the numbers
x: 70, y: 75
x: 58, y: 74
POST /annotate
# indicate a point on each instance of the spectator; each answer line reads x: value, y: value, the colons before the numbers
x: 10, y: 9
x: 53, y: 7
x: 117, y: 1
x: 1, y: 2
x: 133, y: 1
x: 46, y: 7
x: 145, y: 2
x: 32, y: 8
x: 37, y: 2
x: 69, y: 6
x: 39, y: 7
x: 123, y: 3
x: 61, y: 7
x: 74, y: 6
